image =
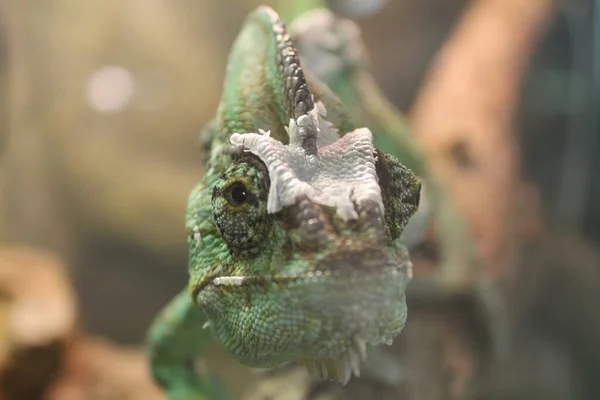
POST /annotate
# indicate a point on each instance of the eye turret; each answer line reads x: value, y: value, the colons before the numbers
x: 400, y: 192
x: 239, y: 206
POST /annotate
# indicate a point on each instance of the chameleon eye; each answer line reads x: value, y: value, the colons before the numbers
x: 400, y: 190
x: 239, y: 207
x: 237, y: 193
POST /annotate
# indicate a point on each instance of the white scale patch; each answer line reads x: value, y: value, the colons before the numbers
x: 341, y: 173
x: 197, y: 235
x: 229, y: 280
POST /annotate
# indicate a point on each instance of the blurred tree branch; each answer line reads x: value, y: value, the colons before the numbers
x: 463, y: 117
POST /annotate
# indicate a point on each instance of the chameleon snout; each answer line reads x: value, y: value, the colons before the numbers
x: 314, y: 228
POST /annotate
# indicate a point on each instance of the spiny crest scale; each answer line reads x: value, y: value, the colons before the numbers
x: 300, y: 107
x: 317, y: 163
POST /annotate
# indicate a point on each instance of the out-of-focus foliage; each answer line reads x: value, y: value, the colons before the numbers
x: 108, y: 98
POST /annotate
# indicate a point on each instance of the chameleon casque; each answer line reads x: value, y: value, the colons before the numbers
x: 294, y: 231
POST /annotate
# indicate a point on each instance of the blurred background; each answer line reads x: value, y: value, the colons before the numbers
x: 101, y: 106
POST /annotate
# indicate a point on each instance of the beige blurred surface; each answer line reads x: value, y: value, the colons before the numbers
x: 108, y: 98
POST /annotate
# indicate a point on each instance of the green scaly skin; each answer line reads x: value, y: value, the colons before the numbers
x: 305, y: 282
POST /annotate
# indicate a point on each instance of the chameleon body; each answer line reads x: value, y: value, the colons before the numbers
x: 293, y: 233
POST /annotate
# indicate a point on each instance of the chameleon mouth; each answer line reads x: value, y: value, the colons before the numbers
x: 343, y: 367
x: 282, y: 279
x: 323, y: 320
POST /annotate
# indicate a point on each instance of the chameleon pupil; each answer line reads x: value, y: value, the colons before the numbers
x: 238, y: 193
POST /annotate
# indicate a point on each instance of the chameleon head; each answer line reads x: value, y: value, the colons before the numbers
x: 305, y: 262
x: 295, y: 250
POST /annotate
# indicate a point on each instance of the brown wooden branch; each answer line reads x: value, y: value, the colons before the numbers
x: 38, y: 314
x: 43, y: 351
x: 464, y: 113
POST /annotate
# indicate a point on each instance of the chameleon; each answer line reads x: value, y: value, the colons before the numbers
x: 294, y: 232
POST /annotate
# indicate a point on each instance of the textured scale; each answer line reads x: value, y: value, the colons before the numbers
x: 294, y: 232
